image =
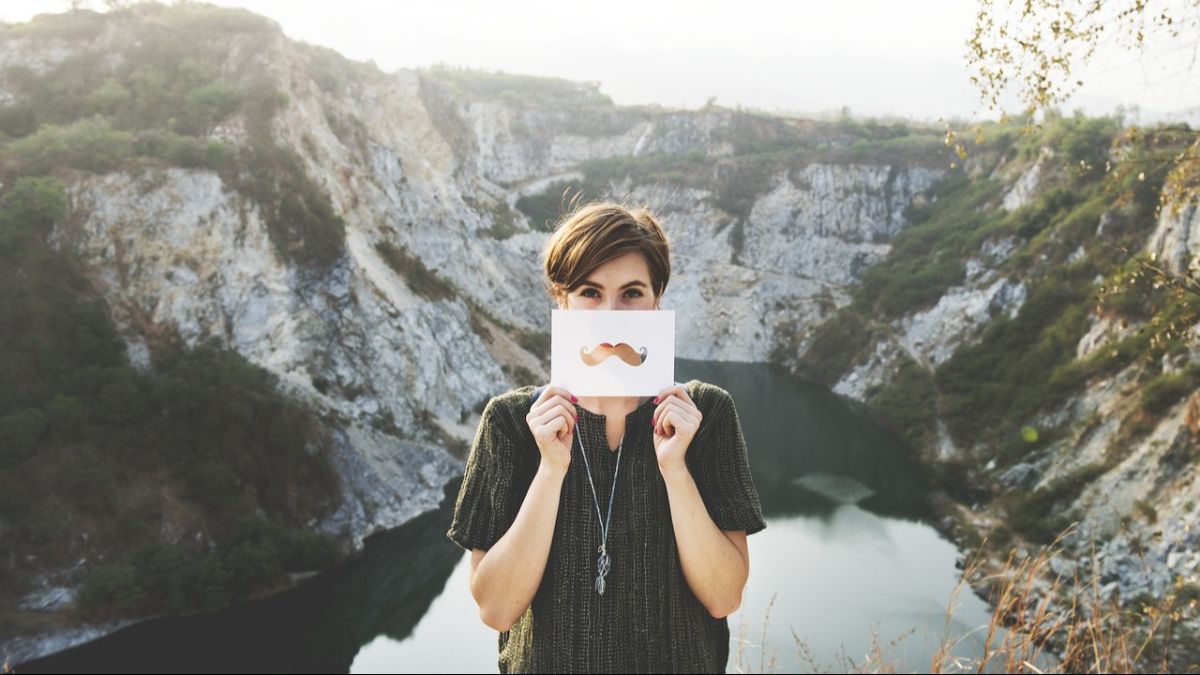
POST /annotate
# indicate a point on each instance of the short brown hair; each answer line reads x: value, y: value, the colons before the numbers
x: 596, y: 232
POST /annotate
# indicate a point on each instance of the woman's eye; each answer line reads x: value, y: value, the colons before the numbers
x: 636, y: 293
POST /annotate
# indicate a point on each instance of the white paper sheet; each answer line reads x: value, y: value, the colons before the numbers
x: 640, y: 361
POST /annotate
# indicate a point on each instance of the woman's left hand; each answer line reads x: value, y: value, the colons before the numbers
x: 676, y: 420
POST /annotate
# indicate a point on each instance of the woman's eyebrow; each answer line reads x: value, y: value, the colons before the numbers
x: 635, y: 282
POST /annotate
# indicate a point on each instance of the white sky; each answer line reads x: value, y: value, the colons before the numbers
x: 878, y: 57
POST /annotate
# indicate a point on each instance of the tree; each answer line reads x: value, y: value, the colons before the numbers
x: 1038, y: 48
x: 1035, y: 47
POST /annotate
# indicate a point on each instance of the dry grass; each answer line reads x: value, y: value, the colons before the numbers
x: 1041, y: 622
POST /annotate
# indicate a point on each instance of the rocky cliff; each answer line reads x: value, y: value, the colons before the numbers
x: 429, y: 298
x: 1055, y: 374
x: 425, y: 297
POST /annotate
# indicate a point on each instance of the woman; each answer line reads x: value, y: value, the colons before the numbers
x: 608, y: 534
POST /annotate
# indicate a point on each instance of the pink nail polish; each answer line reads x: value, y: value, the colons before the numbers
x: 574, y: 399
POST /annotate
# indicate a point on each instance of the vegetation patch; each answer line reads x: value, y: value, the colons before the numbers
x: 1038, y: 515
x: 422, y: 280
x: 99, y: 457
x: 158, y: 105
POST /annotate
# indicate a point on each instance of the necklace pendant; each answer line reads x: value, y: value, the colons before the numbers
x: 602, y: 565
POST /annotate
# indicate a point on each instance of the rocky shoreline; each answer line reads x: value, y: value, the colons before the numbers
x: 70, y: 632
x: 1053, y: 571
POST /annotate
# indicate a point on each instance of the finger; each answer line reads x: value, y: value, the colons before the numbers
x: 550, y: 403
x: 677, y: 414
x: 550, y: 390
x: 668, y: 408
x: 674, y: 396
x: 554, y: 411
x: 567, y: 428
x: 676, y: 390
x: 551, y: 393
x: 559, y: 426
x: 671, y: 419
x: 569, y: 417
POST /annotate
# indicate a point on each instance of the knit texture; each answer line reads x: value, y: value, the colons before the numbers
x: 648, y: 620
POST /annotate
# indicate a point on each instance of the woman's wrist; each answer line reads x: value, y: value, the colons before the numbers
x: 673, y: 471
x: 551, y: 472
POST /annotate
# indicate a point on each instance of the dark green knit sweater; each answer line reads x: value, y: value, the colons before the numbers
x: 648, y: 620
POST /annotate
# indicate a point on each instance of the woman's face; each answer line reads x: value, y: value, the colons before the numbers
x: 621, y: 283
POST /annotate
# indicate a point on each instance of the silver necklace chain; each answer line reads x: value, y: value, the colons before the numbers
x: 604, y: 561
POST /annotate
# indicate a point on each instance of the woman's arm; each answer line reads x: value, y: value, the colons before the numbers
x: 505, y: 577
x: 715, y: 564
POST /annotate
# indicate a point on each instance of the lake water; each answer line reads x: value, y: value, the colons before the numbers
x: 848, y: 553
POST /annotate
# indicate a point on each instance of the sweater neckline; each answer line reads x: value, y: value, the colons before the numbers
x: 584, y: 412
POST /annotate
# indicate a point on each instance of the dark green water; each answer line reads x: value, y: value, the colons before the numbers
x: 848, y: 552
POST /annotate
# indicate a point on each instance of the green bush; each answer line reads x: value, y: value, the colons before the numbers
x: 89, y: 479
x: 76, y: 25
x: 251, y: 565
x: 176, y: 578
x: 206, y: 104
x: 29, y: 209
x: 1084, y: 142
x: 20, y: 432
x: 185, y: 151
x: 834, y: 347
x: 299, y: 216
x: 108, y: 99
x: 1032, y: 218
x: 907, y: 404
x: 1167, y: 389
x: 422, y: 280
x: 545, y: 210
x: 529, y: 90
x: 1038, y: 514
x: 90, y: 144
x: 113, y: 587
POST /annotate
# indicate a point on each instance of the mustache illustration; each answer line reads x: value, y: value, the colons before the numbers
x: 605, y: 350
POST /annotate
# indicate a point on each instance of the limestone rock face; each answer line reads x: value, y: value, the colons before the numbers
x: 1176, y: 237
x: 420, y: 172
x: 437, y: 301
x: 426, y: 180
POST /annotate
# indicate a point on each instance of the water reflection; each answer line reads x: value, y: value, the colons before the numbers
x: 318, y: 627
x: 848, y: 550
x: 797, y: 431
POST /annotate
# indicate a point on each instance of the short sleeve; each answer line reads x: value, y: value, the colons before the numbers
x: 722, y: 472
x: 486, y: 506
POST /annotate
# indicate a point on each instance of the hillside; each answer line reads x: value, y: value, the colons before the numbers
x: 1045, y: 375
x: 207, y: 226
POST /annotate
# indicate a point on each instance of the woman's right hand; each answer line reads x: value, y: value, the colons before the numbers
x: 552, y: 420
